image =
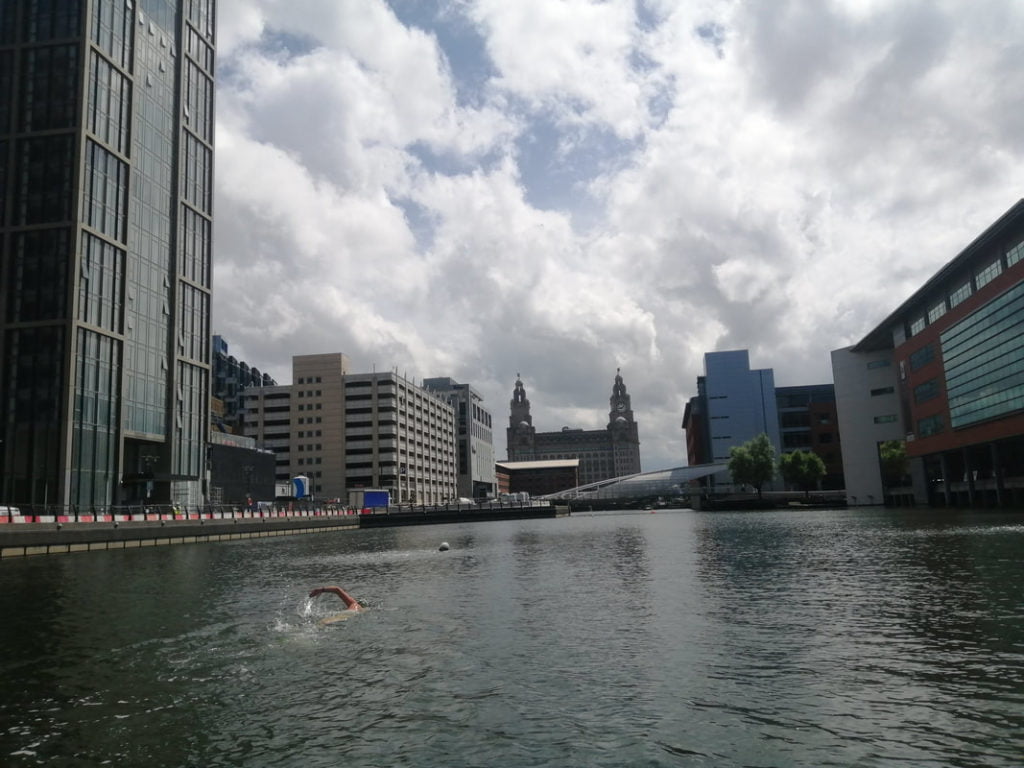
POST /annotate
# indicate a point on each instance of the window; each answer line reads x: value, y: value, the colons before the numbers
x: 930, y: 425
x: 1015, y: 254
x: 795, y: 439
x: 878, y: 364
x: 792, y: 420
x: 961, y: 293
x: 926, y: 391
x: 889, y: 418
x: 989, y: 273
x: 882, y: 391
x: 937, y: 311
x: 922, y: 357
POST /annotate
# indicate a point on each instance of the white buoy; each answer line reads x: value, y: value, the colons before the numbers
x: 444, y: 546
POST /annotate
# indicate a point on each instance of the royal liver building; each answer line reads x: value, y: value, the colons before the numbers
x: 603, y: 453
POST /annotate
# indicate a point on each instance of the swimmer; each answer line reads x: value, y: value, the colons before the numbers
x: 351, y: 604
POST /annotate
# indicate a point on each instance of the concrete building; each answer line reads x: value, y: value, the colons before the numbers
x: 267, y: 418
x: 603, y: 453
x: 349, y: 432
x: 808, y: 421
x: 869, y: 410
x: 401, y: 437
x: 948, y: 378
x: 475, y: 438
x: 733, y: 404
x: 304, y: 423
x: 106, y: 183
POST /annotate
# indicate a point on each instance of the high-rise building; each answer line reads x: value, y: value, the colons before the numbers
x: 106, y: 188
x: 476, y: 440
x: 733, y: 404
x: 603, y: 453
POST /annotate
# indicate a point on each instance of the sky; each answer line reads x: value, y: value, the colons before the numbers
x: 558, y: 189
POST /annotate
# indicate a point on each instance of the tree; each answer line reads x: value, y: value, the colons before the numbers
x: 802, y: 469
x: 753, y: 462
x: 892, y: 455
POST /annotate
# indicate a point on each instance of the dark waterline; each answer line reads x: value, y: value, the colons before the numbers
x: 789, y: 638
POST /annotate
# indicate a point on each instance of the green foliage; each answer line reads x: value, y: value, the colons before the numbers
x: 753, y: 463
x: 802, y: 469
x: 892, y: 454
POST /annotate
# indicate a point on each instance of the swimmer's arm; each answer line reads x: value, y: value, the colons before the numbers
x: 350, y: 602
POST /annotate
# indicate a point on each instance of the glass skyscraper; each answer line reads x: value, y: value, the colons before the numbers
x: 106, y: 188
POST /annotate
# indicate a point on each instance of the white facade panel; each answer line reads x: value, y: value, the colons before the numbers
x: 869, y: 413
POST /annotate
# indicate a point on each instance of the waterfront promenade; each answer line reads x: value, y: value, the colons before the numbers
x: 63, y: 531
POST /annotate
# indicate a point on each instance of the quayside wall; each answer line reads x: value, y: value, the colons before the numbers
x: 63, y: 534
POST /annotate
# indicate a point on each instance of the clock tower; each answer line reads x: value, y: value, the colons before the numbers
x: 622, y: 428
x: 521, y: 434
x: 620, y: 410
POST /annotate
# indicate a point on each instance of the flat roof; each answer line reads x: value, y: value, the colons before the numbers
x: 540, y: 464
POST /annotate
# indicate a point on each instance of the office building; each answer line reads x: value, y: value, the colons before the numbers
x: 475, y: 438
x: 303, y: 423
x: 603, y: 453
x: 808, y: 422
x: 352, y: 431
x: 106, y: 189
x: 230, y: 378
x: 869, y: 412
x: 733, y: 404
x: 401, y: 437
x: 944, y: 372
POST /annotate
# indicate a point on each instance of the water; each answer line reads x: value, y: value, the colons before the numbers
x: 794, y: 638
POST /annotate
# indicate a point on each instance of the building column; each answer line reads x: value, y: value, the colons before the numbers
x: 969, y: 475
x: 997, y: 473
x: 946, y: 482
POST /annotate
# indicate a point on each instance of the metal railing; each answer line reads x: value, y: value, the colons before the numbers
x: 54, y: 513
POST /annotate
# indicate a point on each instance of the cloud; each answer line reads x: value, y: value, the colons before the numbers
x: 570, y: 58
x: 561, y: 189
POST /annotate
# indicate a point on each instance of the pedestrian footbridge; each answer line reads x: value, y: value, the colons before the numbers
x: 661, y: 482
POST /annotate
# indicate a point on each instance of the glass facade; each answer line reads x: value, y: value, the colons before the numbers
x: 98, y: 377
x: 984, y: 361
x: 104, y: 338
